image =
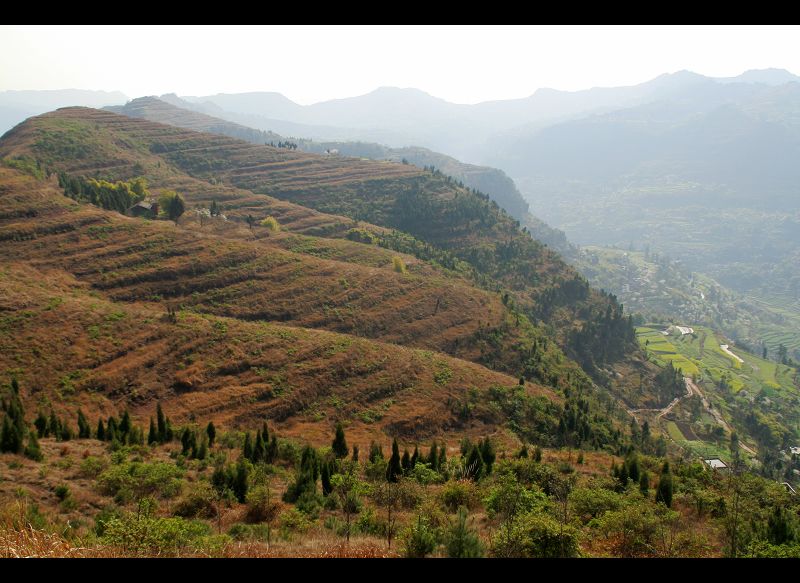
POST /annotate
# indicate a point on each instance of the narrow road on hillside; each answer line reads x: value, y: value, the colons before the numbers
x: 691, y: 386
x: 692, y: 389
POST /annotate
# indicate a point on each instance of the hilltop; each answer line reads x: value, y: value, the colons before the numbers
x: 225, y: 278
x: 500, y: 188
x: 110, y: 313
x: 456, y: 226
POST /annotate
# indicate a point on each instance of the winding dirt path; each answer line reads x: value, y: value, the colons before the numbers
x: 693, y: 389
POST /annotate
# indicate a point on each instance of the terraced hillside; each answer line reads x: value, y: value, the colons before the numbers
x: 453, y: 225
x: 755, y: 397
x: 355, y: 293
x: 73, y: 334
x: 491, y: 181
x: 154, y: 109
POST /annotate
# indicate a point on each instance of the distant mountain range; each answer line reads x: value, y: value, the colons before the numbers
x: 702, y: 169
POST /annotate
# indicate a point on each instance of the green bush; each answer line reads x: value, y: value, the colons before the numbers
x: 508, y: 498
x: 62, y: 492
x: 152, y: 536
x: 455, y: 494
x: 535, y: 535
x: 102, y: 518
x: 423, y: 474
x: 133, y: 480
x: 293, y: 521
x: 260, y: 506
x: 250, y: 532
x: 271, y: 224
x: 589, y: 503
x: 398, y: 264
x: 93, y: 466
x: 419, y: 539
x: 198, y: 501
x: 462, y: 542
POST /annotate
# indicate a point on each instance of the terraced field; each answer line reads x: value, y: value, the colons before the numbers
x: 663, y: 350
x: 468, y: 285
x: 787, y: 309
x: 70, y: 348
x: 248, y: 179
x: 84, y: 323
x: 701, y: 351
x: 758, y: 397
x: 665, y: 289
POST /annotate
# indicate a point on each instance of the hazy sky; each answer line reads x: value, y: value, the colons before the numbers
x: 315, y: 63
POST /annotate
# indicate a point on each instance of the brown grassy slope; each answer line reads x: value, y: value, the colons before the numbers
x: 104, y: 144
x: 93, y: 143
x: 81, y: 147
x: 84, y: 141
x: 137, y: 260
x: 70, y: 348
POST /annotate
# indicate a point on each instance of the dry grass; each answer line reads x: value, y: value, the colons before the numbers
x: 67, y: 334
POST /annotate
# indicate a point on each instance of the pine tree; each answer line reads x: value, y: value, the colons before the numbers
x: 433, y: 457
x: 152, y: 435
x: 633, y: 468
x: 537, y: 454
x: 339, y: 445
x: 355, y: 453
x: 211, y: 431
x: 623, y: 475
x: 644, y: 484
x: 170, y: 435
x: 240, y: 482
x: 414, y: 457
x: 162, y: 424
x: 186, y: 441
x: 475, y: 465
x: 779, y: 527
x: 193, y: 444
x: 375, y: 452
x: 112, y: 429
x: 461, y: 541
x: 202, y: 451
x: 84, y: 430
x: 9, y: 440
x: 259, y: 449
x: 523, y: 453
x: 101, y: 431
x: 272, y: 450
x: 405, y: 463
x: 125, y: 425
x: 327, y: 488
x: 66, y: 432
x: 33, y: 451
x: 664, y: 491
x: 309, y: 463
x: 442, y: 461
x: 265, y: 433
x: 394, y: 469
x: 41, y: 425
x: 488, y: 455
x: 306, y: 477
x: 53, y: 426
x: 247, y: 451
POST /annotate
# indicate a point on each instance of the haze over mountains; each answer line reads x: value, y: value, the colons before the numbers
x: 357, y: 265
x: 684, y: 165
